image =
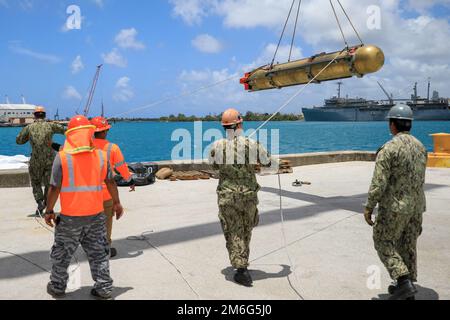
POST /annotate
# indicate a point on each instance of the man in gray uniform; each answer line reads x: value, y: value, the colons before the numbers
x: 398, y: 189
x: 77, y: 176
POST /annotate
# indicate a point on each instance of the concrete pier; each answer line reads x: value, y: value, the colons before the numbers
x: 330, y: 246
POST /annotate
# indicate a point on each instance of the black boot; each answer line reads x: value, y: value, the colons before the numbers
x: 101, y: 295
x: 243, y: 277
x: 405, y: 290
x: 40, y: 209
x: 392, y: 288
x: 112, y: 252
x: 55, y: 293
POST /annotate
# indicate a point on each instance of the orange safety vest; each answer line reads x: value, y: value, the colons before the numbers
x: 115, y: 160
x: 83, y: 176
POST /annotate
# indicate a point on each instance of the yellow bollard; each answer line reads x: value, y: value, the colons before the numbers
x: 441, y: 156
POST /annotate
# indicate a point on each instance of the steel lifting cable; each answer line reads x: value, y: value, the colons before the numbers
x: 339, y: 24
x: 295, y: 30
x: 176, y: 97
x: 35, y: 264
x: 285, y: 242
x: 26, y: 260
x: 282, y: 33
x: 145, y: 238
x: 350, y: 21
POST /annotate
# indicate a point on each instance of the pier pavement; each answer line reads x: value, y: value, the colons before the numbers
x: 329, y: 254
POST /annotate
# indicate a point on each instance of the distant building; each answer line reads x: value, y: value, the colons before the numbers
x: 17, y: 113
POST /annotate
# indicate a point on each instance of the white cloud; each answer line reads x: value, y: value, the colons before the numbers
x: 124, y: 92
x: 254, y: 13
x: 77, y: 65
x: 126, y: 39
x: 26, y: 4
x: 99, y: 3
x: 115, y: 58
x: 192, y: 11
x: 282, y: 54
x: 70, y: 93
x: 49, y: 58
x: 207, y: 44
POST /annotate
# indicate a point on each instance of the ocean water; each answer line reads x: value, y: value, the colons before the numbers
x: 152, y: 141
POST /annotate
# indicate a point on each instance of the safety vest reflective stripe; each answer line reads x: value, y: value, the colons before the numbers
x: 108, y: 153
x: 82, y: 189
x: 72, y: 188
x: 102, y: 161
x: 118, y: 165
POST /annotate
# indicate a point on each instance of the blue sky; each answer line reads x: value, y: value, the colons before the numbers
x: 155, y: 49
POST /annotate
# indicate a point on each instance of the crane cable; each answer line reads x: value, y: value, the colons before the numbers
x: 339, y: 24
x: 282, y: 33
x: 349, y: 20
x: 188, y: 93
x: 295, y: 30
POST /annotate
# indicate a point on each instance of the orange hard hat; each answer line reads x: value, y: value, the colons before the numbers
x: 231, y: 117
x: 79, y: 122
x: 39, y: 109
x: 101, y: 124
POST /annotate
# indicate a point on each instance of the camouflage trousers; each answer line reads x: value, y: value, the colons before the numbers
x: 90, y: 232
x: 40, y: 176
x: 395, y: 237
x: 238, y: 216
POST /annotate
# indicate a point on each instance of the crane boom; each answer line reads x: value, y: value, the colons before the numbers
x: 391, y: 100
x: 92, y: 91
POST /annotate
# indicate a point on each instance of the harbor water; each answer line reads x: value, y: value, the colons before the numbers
x: 152, y: 141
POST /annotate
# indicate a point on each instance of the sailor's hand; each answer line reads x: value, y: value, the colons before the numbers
x: 132, y: 188
x: 368, y: 216
x: 118, y: 210
x: 50, y: 219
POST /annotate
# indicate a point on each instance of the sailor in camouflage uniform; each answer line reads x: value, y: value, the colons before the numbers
x: 236, y: 158
x: 398, y: 189
x: 40, y: 135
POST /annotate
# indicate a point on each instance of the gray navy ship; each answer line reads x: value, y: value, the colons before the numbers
x: 337, y: 108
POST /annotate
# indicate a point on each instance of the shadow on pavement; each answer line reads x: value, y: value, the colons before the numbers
x: 84, y: 293
x: 422, y: 294
x: 13, y: 267
x: 258, y: 275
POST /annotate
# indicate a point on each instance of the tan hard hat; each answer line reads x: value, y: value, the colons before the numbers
x: 39, y: 109
x: 231, y: 117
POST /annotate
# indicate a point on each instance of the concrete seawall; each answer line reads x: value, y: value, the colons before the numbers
x: 297, y: 160
x: 20, y: 178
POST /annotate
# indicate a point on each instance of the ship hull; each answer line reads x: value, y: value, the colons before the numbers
x: 364, y: 115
